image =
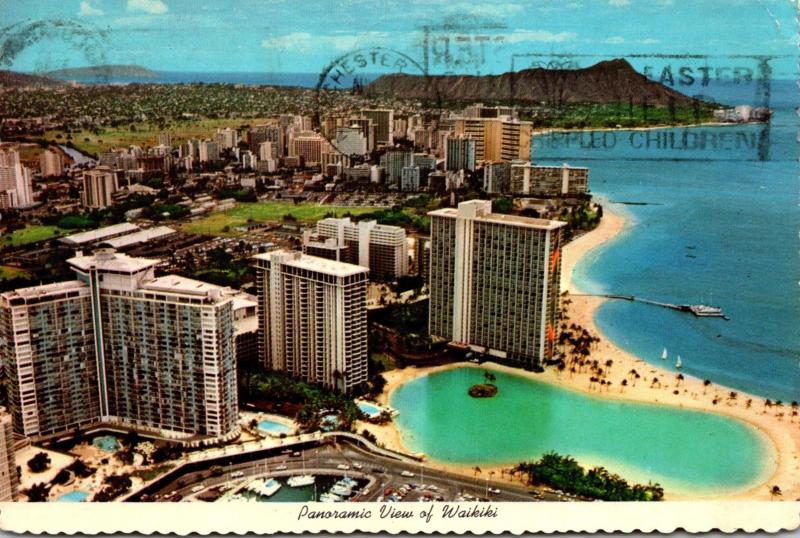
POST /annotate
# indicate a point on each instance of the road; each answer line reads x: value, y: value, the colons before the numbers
x: 381, y: 472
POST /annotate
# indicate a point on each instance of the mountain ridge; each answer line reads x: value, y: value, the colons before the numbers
x: 96, y: 71
x: 606, y: 82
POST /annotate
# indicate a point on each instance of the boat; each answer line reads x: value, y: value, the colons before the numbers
x: 341, y: 490
x: 329, y: 498
x: 678, y: 363
x: 300, y: 481
x: 266, y: 488
x: 705, y: 311
x: 664, y: 354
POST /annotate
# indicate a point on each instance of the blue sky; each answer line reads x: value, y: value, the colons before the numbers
x: 305, y: 35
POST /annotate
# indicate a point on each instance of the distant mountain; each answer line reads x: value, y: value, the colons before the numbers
x: 12, y: 78
x: 99, y: 72
x: 607, y: 82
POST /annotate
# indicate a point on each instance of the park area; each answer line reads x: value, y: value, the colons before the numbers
x: 145, y: 134
x: 31, y: 234
x: 225, y: 222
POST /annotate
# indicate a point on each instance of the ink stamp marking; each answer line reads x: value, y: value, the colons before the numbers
x: 745, y: 117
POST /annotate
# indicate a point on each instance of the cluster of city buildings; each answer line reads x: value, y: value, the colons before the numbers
x: 118, y: 346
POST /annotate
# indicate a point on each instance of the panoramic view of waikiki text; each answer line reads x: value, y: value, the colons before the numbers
x: 419, y: 266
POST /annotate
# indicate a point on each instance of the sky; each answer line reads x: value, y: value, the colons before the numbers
x: 303, y: 36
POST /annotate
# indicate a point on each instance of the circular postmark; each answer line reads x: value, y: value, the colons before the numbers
x: 45, y: 46
x: 346, y: 85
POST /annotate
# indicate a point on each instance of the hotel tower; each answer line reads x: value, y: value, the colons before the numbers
x: 313, y: 318
x: 120, y: 347
x: 494, y: 282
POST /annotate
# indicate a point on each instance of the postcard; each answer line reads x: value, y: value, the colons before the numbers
x: 424, y: 266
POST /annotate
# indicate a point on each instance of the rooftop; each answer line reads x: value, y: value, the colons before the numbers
x: 501, y: 218
x: 45, y: 289
x: 186, y: 286
x: 312, y: 263
x: 92, y: 236
x: 108, y: 260
x: 141, y: 236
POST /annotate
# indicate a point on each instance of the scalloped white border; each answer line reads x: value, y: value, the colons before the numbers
x: 515, y: 518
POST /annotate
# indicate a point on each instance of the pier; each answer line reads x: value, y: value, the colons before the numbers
x: 699, y: 310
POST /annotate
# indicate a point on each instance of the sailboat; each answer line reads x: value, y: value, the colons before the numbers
x: 678, y: 363
x: 302, y: 480
x: 664, y: 354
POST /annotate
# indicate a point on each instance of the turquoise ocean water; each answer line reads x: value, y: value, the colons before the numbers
x: 718, y: 229
x: 683, y: 450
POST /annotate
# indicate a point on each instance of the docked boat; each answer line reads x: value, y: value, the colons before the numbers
x: 300, y: 481
x: 341, y: 490
x: 705, y: 311
x: 265, y: 488
x: 329, y: 498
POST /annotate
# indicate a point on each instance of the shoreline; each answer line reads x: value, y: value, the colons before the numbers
x: 779, y: 431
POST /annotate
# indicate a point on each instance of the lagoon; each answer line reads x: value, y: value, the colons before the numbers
x: 683, y: 450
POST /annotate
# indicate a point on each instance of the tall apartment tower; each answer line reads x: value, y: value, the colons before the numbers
x: 51, y: 163
x: 497, y: 139
x: 119, y: 346
x: 563, y: 180
x: 9, y: 480
x: 98, y: 186
x: 495, y: 281
x: 16, y: 187
x: 383, y: 118
x: 459, y: 153
x: 313, y: 318
x: 380, y: 248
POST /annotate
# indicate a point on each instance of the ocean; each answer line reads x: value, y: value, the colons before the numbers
x: 720, y: 227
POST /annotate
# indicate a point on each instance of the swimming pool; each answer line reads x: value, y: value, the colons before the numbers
x: 369, y: 409
x: 273, y: 427
x: 76, y: 496
x: 106, y: 443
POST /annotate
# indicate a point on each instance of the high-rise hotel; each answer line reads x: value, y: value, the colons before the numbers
x: 118, y: 346
x: 495, y: 282
x: 313, y: 318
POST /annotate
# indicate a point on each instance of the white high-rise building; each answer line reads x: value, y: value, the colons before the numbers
x: 313, y: 318
x: 495, y: 282
x: 350, y: 141
x: 51, y: 163
x: 98, y: 186
x: 209, y: 151
x: 120, y: 347
x: 16, y: 188
x: 380, y: 248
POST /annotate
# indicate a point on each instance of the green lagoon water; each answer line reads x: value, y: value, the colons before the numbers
x: 683, y: 450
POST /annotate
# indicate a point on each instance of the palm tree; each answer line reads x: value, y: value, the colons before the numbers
x: 623, y: 384
x: 477, y: 470
x: 678, y: 379
x: 706, y: 384
x: 775, y: 491
x: 732, y: 396
x: 767, y: 403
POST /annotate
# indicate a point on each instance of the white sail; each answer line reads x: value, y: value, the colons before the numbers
x: 678, y: 363
x: 664, y: 354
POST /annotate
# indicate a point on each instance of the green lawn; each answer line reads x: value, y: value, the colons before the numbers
x: 146, y: 134
x: 7, y: 272
x: 216, y: 223
x: 31, y: 234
